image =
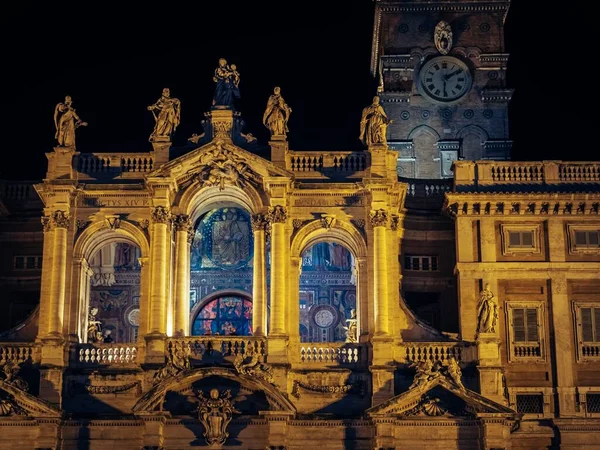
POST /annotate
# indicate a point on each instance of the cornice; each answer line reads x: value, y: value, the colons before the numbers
x: 450, y: 6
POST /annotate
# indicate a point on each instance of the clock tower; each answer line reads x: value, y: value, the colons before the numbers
x: 441, y: 67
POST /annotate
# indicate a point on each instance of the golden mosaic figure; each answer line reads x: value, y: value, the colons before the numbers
x: 373, y: 124
x: 67, y: 123
x: 277, y: 114
x: 168, y: 117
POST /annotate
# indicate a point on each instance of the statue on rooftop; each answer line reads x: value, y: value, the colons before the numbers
x: 228, y: 79
x: 277, y: 114
x: 373, y: 124
x: 66, y: 121
x: 168, y: 117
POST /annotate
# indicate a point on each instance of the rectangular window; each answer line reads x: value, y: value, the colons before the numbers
x: 588, y: 330
x: 525, y: 332
x: 592, y: 402
x: 423, y: 263
x: 589, y: 239
x: 530, y: 403
x: 520, y: 239
x: 28, y: 262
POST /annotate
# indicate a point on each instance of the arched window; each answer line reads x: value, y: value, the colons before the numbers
x: 227, y: 315
x: 327, y: 293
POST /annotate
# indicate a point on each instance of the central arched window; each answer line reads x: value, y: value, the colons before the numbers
x: 227, y: 315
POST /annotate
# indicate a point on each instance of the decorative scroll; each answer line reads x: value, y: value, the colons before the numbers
x: 249, y: 364
x: 357, y: 387
x: 442, y: 37
x: 178, y: 360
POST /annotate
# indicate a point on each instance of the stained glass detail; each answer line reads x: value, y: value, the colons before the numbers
x: 224, y: 316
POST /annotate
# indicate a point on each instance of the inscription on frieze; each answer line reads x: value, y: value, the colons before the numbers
x: 350, y: 200
x: 96, y: 202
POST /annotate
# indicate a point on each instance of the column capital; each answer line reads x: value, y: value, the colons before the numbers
x: 278, y: 214
x: 143, y: 261
x: 161, y: 214
x: 379, y: 218
x: 61, y: 219
x: 182, y: 222
x: 394, y: 222
x: 46, y: 223
x: 259, y: 222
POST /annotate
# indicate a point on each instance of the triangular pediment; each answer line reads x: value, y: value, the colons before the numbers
x: 220, y: 163
x: 16, y: 402
x: 440, y: 398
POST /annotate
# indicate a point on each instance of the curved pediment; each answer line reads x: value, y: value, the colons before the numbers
x: 220, y: 163
x: 15, y: 401
x: 187, y: 384
x: 440, y: 398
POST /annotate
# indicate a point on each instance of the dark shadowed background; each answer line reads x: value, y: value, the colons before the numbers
x: 114, y: 60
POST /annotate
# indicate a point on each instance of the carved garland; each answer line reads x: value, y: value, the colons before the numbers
x: 357, y: 387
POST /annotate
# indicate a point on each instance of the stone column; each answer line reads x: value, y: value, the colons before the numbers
x: 397, y: 317
x: 259, y: 271
x: 278, y: 216
x: 60, y: 222
x: 159, y: 249
x: 379, y: 221
x: 183, y: 228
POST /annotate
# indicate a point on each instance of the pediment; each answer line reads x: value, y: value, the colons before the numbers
x: 178, y: 393
x: 16, y: 402
x: 219, y: 163
x: 440, y: 398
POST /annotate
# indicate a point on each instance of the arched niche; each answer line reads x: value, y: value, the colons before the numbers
x: 130, y: 302
x: 347, y: 236
x: 472, y: 138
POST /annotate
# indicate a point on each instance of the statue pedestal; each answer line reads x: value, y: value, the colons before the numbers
x: 279, y: 149
x: 60, y: 163
x: 161, y: 147
x: 222, y: 124
x: 490, y: 367
x: 155, y: 348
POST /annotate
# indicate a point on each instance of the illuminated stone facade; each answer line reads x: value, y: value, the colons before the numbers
x: 454, y: 314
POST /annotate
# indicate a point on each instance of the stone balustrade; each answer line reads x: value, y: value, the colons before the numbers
x: 123, y: 165
x: 590, y: 351
x: 106, y: 354
x: 333, y: 353
x: 19, y: 352
x: 434, y: 351
x: 529, y: 350
x: 316, y: 164
x: 225, y: 346
x: 537, y: 172
x: 18, y: 190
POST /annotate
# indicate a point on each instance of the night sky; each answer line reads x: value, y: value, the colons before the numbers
x: 114, y: 61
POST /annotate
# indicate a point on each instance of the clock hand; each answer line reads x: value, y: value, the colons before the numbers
x: 450, y: 75
x: 445, y: 93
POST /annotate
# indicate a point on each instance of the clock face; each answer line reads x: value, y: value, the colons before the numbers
x: 444, y: 79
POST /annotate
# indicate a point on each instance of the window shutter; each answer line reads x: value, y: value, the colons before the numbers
x: 514, y: 239
x: 594, y: 238
x: 519, y: 325
x: 587, y: 332
x: 580, y: 238
x: 532, y: 325
x: 527, y: 238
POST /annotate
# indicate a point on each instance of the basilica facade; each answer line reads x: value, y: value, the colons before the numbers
x: 423, y: 292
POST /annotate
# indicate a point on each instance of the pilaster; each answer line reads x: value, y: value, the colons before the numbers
x: 564, y: 350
